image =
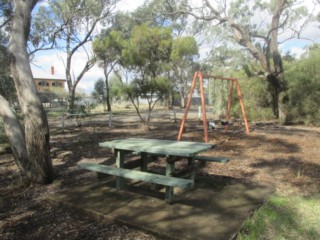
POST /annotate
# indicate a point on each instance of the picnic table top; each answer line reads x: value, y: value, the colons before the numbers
x: 157, y: 146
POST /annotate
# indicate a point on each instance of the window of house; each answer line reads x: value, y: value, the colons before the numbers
x: 56, y: 84
x: 43, y: 83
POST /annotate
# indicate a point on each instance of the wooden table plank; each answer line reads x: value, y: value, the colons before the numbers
x: 138, y: 175
x: 157, y: 146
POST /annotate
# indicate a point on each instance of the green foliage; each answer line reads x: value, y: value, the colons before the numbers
x: 256, y: 97
x: 304, y: 88
x: 255, y: 93
x: 149, y: 89
x: 78, y: 105
x: 147, y: 48
x: 303, y: 78
x: 43, y: 30
x: 161, y: 13
x: 115, y: 88
x: 108, y: 47
x: 123, y: 23
x: 218, y: 97
x: 183, y: 47
x: 99, y: 91
x: 182, y: 65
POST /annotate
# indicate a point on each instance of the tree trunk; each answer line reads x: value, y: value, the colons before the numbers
x: 278, y: 79
x: 283, y: 105
x: 280, y: 98
x: 106, y: 75
x: 72, y: 98
x: 15, y: 135
x: 170, y: 101
x: 33, y: 153
x: 182, y: 89
x: 182, y: 99
x: 108, y: 98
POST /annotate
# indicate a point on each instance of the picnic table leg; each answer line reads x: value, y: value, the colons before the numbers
x: 192, y: 177
x: 144, y: 162
x: 120, y: 164
x: 169, y: 170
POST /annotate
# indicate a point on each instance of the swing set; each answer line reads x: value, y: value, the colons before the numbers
x: 200, y: 76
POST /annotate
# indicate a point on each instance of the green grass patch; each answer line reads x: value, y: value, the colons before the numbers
x: 293, y: 217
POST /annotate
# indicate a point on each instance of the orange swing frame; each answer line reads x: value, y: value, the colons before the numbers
x: 200, y: 76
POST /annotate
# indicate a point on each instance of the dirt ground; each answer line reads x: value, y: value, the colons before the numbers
x: 285, y: 158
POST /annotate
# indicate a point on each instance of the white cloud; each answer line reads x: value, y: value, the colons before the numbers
x: 297, y: 51
x: 129, y: 5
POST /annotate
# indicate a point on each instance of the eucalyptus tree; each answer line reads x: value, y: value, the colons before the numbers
x: 257, y: 26
x: 184, y: 51
x: 99, y: 92
x: 79, y: 21
x: 29, y: 140
x: 184, y: 47
x: 143, y: 54
x: 162, y: 13
x: 107, y: 48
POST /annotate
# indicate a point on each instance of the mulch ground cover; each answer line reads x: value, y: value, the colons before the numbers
x: 285, y: 158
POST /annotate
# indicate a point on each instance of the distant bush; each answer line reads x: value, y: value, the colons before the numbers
x: 303, y: 78
x: 256, y: 99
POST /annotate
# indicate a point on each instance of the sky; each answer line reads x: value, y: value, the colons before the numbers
x: 43, y: 61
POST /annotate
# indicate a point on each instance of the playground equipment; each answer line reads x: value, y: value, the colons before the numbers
x: 200, y: 76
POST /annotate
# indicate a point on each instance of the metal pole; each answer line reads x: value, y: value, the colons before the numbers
x: 242, y: 107
x: 203, y: 105
x: 229, y: 105
x: 188, y: 105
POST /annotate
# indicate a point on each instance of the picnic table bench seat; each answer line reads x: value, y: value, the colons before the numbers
x: 141, y: 176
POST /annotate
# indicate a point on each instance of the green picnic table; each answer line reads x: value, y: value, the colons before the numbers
x: 173, y: 151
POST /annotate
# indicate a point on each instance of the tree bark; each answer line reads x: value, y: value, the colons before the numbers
x: 183, y: 85
x: 32, y: 152
x: 182, y: 98
x: 15, y: 135
x: 277, y: 77
x: 107, y: 93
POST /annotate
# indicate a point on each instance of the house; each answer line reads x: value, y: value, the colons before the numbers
x: 44, y: 81
x: 50, y: 87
